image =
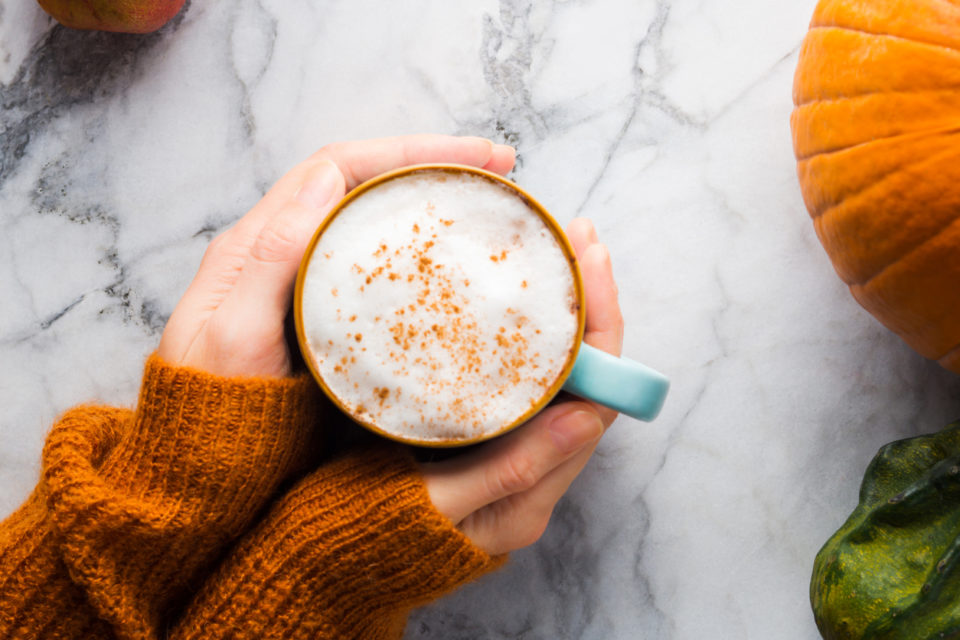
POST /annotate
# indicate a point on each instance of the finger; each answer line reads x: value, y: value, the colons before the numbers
x: 582, y: 234
x: 512, y: 464
x: 502, y: 159
x: 364, y: 159
x: 228, y: 253
x: 224, y: 260
x: 519, y: 520
x: 604, y: 329
x: 361, y: 160
x: 264, y: 286
x: 212, y: 283
x: 604, y: 322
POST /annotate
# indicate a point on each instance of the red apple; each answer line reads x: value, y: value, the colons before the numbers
x: 125, y: 16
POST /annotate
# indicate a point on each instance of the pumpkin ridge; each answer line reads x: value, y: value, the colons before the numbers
x: 911, y: 250
x: 880, y: 178
x: 865, y: 94
x: 879, y: 34
x: 922, y: 133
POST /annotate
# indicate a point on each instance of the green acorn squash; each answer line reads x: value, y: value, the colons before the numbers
x: 892, y: 571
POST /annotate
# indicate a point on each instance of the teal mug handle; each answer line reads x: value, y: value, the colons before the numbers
x: 629, y: 387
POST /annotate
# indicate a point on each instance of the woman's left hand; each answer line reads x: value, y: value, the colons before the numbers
x: 230, y: 321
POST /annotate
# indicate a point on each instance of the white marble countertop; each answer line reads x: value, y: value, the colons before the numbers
x: 665, y: 121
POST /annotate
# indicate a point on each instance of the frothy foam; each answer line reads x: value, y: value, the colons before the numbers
x: 439, y: 306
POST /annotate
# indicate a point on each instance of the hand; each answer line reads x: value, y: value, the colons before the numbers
x: 501, y: 495
x: 230, y: 321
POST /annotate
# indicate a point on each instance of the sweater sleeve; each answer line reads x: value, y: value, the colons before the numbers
x: 132, y: 508
x: 347, y: 553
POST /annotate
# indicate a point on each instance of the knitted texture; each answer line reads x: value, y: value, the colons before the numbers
x: 136, y: 511
x: 347, y: 553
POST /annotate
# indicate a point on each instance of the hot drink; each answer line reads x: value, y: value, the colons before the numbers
x: 439, y: 306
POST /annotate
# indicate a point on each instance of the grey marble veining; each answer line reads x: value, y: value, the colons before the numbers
x: 664, y: 121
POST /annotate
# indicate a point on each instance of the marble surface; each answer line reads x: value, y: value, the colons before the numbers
x: 665, y: 121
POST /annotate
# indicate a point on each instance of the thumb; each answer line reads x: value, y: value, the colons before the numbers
x: 265, y: 285
x: 512, y: 464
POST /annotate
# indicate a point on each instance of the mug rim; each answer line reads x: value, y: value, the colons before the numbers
x: 534, y: 205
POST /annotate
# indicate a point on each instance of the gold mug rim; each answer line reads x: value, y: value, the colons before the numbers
x: 533, y: 204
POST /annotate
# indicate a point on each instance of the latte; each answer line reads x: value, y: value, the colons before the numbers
x: 439, y: 306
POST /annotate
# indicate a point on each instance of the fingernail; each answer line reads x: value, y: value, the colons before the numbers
x: 485, y: 141
x: 320, y: 186
x: 574, y: 430
x: 505, y: 147
x: 593, y: 233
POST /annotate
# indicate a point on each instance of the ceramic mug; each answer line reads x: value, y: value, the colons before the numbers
x: 624, y: 385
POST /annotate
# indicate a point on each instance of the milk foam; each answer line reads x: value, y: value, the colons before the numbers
x: 439, y: 306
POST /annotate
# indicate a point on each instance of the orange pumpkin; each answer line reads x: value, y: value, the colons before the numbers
x: 876, y: 133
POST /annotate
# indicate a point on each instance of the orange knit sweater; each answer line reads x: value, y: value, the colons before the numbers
x: 196, y: 517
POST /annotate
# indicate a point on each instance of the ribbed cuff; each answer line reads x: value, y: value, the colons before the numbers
x: 346, y: 554
x: 222, y: 441
x: 143, y: 509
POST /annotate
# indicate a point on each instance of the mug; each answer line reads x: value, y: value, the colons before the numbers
x: 624, y: 385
